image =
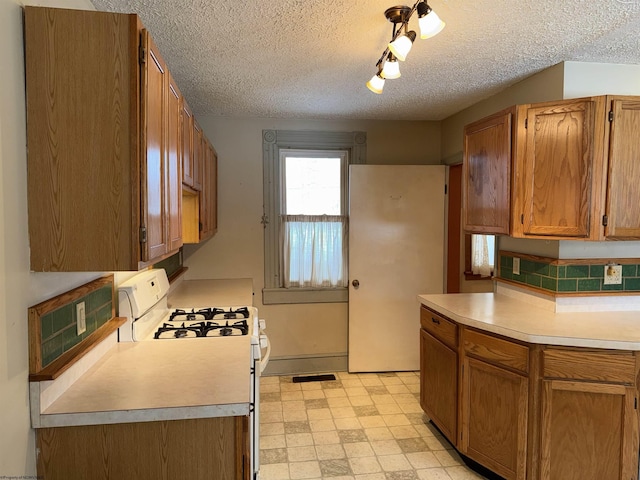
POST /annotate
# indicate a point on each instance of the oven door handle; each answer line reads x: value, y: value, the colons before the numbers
x: 264, y: 340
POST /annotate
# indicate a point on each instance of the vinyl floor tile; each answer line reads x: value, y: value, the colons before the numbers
x: 357, y: 427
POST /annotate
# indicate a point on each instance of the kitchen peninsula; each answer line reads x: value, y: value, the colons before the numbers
x: 531, y: 393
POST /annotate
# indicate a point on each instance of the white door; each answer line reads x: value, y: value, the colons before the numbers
x: 396, y: 252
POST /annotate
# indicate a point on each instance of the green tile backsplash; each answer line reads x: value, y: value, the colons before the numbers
x: 58, y: 327
x: 579, y: 279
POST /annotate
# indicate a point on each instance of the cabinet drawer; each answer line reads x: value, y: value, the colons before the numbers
x: 613, y: 367
x: 440, y: 327
x: 496, y: 350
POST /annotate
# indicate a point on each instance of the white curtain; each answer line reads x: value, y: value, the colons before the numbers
x: 315, y: 252
x: 482, y: 255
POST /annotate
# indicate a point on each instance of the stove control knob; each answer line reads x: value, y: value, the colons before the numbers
x: 263, y: 323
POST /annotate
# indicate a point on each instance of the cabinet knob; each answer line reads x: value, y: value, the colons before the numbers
x: 355, y: 283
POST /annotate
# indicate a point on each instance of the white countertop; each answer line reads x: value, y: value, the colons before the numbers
x: 211, y: 293
x: 514, y: 318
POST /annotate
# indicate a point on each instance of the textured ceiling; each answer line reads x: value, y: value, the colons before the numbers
x: 311, y: 59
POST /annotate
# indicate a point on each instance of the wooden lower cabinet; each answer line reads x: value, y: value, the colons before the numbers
x: 534, y: 412
x: 494, y: 418
x: 202, y: 448
x: 587, y: 431
x: 439, y: 384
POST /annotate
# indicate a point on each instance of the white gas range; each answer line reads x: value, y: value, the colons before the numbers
x: 143, y: 302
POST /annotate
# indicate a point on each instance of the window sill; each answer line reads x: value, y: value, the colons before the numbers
x: 475, y: 276
x: 273, y: 296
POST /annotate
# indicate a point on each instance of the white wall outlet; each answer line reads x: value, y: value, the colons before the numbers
x: 81, y: 321
x: 612, y: 274
x: 516, y: 266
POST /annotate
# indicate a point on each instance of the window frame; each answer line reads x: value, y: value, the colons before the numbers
x: 273, y: 141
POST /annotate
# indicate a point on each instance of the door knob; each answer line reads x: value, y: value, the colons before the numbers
x: 355, y: 284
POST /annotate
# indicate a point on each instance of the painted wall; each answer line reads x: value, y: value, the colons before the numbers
x: 237, y: 249
x: 19, y: 288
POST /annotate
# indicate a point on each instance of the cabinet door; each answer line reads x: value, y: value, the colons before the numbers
x: 154, y: 174
x: 198, y: 155
x: 208, y: 194
x: 174, y: 164
x: 589, y: 431
x: 562, y: 168
x: 494, y: 418
x: 439, y: 384
x: 487, y: 174
x: 187, y: 144
x: 623, y: 191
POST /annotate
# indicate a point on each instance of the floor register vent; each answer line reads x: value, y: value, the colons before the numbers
x: 314, y: 378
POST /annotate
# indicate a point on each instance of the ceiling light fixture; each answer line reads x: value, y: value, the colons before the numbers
x: 402, y: 39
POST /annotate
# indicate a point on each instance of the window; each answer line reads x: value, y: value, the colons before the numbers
x: 314, y: 218
x: 479, y: 256
x: 306, y: 214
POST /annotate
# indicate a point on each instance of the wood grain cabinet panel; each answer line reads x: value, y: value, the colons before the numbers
x: 218, y: 448
x: 439, y: 384
x: 97, y: 92
x: 562, y: 168
x: 440, y: 327
x: 589, y: 431
x: 186, y: 136
x: 623, y: 188
x: 494, y: 413
x: 487, y: 174
x: 174, y: 165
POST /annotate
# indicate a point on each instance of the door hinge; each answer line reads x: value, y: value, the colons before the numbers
x: 142, y: 53
x: 526, y: 123
x: 605, y: 220
x: 143, y: 234
x: 611, y: 115
x: 265, y: 220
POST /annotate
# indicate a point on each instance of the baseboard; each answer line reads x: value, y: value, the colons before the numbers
x: 306, y: 364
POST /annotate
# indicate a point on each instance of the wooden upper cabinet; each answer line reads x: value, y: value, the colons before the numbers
x: 186, y: 136
x: 155, y: 178
x: 487, y: 174
x: 97, y: 95
x: 174, y: 165
x: 623, y: 189
x: 198, y: 155
x: 208, y: 193
x: 561, y: 169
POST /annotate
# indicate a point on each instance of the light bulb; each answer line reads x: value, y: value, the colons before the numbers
x: 391, y: 68
x: 401, y: 46
x: 429, y: 21
x: 376, y: 84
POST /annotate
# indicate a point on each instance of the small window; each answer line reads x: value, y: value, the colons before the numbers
x: 479, y: 256
x: 314, y: 219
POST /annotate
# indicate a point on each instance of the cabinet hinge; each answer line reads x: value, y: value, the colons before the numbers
x: 522, y: 218
x: 143, y: 234
x: 605, y: 220
x: 142, y: 52
x: 635, y: 403
x: 526, y: 123
x: 611, y: 115
x: 445, y: 188
x: 200, y: 226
